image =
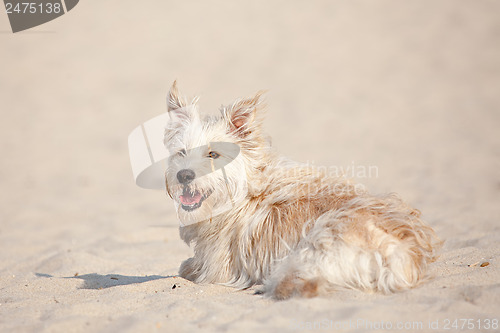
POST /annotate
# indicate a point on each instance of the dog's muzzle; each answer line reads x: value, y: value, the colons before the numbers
x: 186, y: 176
x: 191, y: 200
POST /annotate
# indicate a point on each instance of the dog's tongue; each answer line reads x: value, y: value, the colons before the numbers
x: 188, y: 199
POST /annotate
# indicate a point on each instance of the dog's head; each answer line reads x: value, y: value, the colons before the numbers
x: 210, y: 158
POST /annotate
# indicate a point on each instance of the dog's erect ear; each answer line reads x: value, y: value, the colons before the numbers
x: 174, y: 99
x: 178, y: 108
x: 241, y: 116
x: 181, y: 114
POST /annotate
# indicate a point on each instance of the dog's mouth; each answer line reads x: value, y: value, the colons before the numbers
x: 191, y: 200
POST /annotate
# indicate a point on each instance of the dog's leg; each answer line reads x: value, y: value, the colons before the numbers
x: 189, y: 270
x: 319, y: 265
x: 350, y: 249
x: 311, y: 270
x: 294, y: 285
x: 298, y: 274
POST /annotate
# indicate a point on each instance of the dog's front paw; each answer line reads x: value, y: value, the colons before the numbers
x: 188, y: 270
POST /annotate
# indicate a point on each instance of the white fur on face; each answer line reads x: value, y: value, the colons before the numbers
x: 219, y: 174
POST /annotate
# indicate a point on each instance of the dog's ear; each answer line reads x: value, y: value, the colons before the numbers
x: 181, y: 114
x: 242, y: 115
x: 174, y: 99
x: 178, y: 108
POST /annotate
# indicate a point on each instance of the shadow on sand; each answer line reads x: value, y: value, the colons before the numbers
x: 97, y: 281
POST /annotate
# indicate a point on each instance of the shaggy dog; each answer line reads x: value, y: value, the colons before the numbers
x: 255, y: 217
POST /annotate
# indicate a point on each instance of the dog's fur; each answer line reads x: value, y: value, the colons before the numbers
x: 291, y: 228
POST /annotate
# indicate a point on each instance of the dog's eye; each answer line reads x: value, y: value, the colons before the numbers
x: 182, y: 152
x: 213, y: 154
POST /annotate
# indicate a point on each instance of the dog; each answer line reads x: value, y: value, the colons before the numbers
x: 257, y: 218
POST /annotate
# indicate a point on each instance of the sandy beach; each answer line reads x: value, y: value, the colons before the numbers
x: 409, y: 88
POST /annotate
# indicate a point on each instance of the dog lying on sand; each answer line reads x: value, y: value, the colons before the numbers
x: 255, y: 217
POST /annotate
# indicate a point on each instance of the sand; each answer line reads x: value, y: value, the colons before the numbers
x: 411, y: 88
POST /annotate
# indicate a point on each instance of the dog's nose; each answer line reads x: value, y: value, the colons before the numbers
x: 185, y: 176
